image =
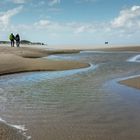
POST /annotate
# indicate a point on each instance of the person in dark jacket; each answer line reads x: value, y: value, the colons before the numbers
x: 12, y: 37
x: 17, y: 38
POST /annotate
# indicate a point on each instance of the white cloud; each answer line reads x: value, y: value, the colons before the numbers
x: 83, y: 1
x: 19, y: 1
x: 5, y: 17
x: 127, y: 18
x: 41, y: 3
x: 84, y: 28
x: 126, y: 24
x: 53, y: 2
x: 43, y: 24
x: 48, y: 25
x: 79, y: 28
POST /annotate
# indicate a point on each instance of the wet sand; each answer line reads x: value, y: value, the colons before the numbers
x: 10, y: 133
x: 14, y: 60
x: 119, y: 48
x: 132, y: 82
x: 25, y: 59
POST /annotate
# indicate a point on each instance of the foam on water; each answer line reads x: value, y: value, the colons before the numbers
x: 20, y: 128
x: 39, y: 76
x: 86, y: 98
x: 134, y: 59
x: 1, y: 120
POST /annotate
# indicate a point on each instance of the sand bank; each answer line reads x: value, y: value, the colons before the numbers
x: 132, y: 82
x: 24, y: 59
x: 119, y: 48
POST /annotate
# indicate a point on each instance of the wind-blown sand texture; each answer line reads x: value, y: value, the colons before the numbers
x: 14, y: 60
x: 24, y: 59
x: 132, y: 82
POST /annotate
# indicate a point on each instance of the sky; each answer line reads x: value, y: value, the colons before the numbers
x: 72, y: 22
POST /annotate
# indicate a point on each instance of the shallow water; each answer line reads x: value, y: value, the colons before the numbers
x: 83, y: 104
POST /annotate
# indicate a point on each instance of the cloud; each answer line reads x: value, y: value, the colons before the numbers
x: 43, y: 24
x: 83, y: 1
x: 41, y: 3
x: 19, y: 1
x: 54, y: 2
x: 126, y: 24
x: 51, y: 26
x: 127, y: 18
x: 81, y: 28
x: 5, y: 17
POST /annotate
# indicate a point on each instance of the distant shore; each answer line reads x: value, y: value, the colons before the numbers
x: 30, y: 58
x: 25, y: 59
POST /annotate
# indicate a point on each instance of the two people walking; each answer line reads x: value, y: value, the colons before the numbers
x: 13, y: 39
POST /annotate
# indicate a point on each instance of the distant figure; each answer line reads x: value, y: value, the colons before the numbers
x: 12, y: 37
x: 17, y: 38
x: 106, y: 42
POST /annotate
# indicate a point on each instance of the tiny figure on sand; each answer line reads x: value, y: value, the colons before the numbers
x: 17, y: 38
x: 13, y: 39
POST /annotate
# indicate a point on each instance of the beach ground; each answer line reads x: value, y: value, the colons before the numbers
x: 31, y: 58
x: 25, y: 59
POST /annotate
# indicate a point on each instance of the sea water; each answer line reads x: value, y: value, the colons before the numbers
x: 82, y: 104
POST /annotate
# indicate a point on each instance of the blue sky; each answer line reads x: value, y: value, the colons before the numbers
x: 72, y: 21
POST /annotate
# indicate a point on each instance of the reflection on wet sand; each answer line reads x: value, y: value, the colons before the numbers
x: 78, y: 106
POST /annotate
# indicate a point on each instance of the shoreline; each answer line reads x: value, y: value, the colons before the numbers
x: 30, y: 58
x: 7, y: 132
x: 24, y: 59
x: 131, y: 82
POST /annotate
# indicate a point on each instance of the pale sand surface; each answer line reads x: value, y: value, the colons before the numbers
x: 132, y: 82
x: 13, y: 60
x: 119, y: 48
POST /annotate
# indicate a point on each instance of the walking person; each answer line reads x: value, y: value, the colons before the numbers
x: 17, y: 38
x: 12, y: 37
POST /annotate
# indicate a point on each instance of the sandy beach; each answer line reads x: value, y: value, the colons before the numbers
x: 132, y: 82
x: 25, y: 59
x: 28, y: 59
x: 15, y: 60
